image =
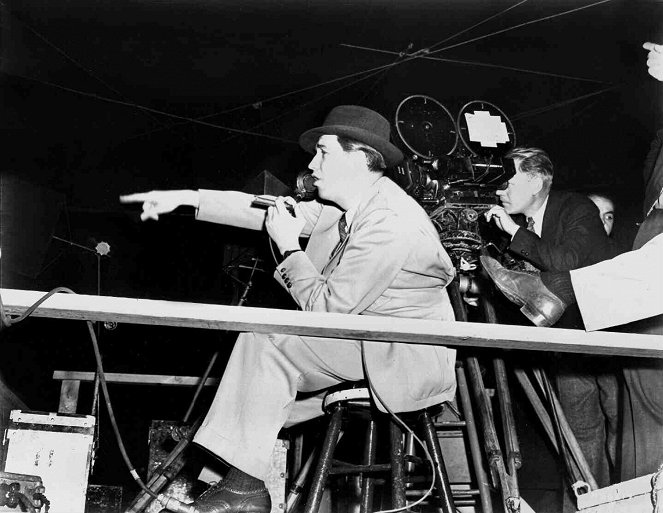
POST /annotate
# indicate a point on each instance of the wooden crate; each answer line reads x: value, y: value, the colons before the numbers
x: 634, y: 496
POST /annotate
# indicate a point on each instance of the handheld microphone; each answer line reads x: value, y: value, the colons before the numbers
x: 267, y: 201
x: 305, y: 188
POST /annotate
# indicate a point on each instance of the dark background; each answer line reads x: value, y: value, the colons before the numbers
x: 103, y: 98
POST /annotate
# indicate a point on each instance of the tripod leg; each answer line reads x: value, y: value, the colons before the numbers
x: 507, y: 483
x: 473, y: 439
x: 567, y: 433
x: 514, y: 459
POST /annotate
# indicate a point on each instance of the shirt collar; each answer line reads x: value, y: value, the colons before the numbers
x: 350, y: 215
x: 352, y: 212
x: 657, y: 204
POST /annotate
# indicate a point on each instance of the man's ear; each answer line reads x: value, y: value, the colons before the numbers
x: 537, y: 184
x: 358, y: 158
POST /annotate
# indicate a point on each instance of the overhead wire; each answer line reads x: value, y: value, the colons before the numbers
x: 513, y: 27
x: 69, y: 57
x: 541, y: 110
x: 480, y: 64
x: 425, y: 53
x: 149, y: 109
x: 407, y: 57
x: 306, y: 104
x: 496, y: 15
x: 271, y: 99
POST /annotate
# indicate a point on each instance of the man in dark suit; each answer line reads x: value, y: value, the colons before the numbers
x: 564, y: 232
x: 625, y: 291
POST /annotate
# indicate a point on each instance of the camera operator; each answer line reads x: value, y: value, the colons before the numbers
x: 626, y: 291
x: 563, y: 232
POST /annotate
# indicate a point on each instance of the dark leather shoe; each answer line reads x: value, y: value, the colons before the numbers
x: 220, y: 499
x: 538, y: 303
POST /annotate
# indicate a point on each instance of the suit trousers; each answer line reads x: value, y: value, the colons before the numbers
x: 589, y: 393
x: 642, y: 441
x: 257, y: 395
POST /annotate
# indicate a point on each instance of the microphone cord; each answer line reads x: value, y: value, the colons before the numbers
x: 405, y: 427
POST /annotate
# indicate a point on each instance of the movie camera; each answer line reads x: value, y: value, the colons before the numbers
x: 455, y: 168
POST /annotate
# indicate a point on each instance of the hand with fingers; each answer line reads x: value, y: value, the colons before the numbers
x: 654, y: 60
x: 503, y: 220
x: 284, y: 226
x: 161, y: 202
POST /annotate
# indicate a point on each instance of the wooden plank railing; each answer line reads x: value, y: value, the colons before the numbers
x: 388, y: 329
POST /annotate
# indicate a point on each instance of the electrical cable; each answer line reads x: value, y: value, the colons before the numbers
x: 407, y: 428
x: 398, y: 421
x: 168, y: 502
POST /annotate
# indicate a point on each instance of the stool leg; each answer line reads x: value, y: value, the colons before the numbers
x: 324, y: 464
x: 368, y: 485
x: 441, y: 478
x: 397, y: 466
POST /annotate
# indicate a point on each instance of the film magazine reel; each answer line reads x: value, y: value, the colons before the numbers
x: 456, y: 167
x: 430, y: 132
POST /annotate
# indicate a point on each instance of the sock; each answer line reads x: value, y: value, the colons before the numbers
x: 559, y: 283
x: 242, y: 481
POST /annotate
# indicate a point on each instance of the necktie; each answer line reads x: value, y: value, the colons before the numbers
x: 342, y: 233
x: 527, y: 266
x: 342, y: 229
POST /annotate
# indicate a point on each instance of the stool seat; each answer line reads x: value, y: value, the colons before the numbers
x: 360, y: 395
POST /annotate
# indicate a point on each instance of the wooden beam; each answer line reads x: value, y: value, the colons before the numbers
x: 390, y: 329
x: 134, y: 379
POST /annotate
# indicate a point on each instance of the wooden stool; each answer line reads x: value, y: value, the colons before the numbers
x: 354, y: 398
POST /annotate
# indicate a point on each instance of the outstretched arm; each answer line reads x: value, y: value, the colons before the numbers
x: 162, y: 202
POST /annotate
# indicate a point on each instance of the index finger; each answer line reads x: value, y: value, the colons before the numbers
x: 138, y: 197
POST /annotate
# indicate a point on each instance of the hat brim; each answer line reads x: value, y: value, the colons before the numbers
x: 392, y: 155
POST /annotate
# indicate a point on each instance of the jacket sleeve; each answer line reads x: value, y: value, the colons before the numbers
x: 233, y: 208
x: 375, y: 252
x: 582, y: 242
x: 624, y: 289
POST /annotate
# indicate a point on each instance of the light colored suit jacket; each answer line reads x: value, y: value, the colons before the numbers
x: 391, y: 264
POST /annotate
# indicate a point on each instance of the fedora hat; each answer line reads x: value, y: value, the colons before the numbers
x: 358, y: 123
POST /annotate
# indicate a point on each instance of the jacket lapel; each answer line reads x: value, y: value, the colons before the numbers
x: 550, y: 217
